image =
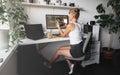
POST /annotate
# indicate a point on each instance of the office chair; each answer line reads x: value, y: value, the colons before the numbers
x: 86, y: 50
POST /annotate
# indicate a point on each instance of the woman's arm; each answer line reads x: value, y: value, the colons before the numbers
x: 67, y: 30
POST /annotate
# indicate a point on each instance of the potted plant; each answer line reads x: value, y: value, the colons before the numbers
x: 17, y: 17
x: 4, y: 29
x: 13, y: 16
x: 110, y: 20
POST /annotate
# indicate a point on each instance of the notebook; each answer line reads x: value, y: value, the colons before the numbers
x: 34, y: 31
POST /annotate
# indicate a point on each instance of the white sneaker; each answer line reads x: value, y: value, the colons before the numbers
x: 71, y: 69
x: 47, y: 65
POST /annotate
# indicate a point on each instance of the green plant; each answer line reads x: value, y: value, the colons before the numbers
x: 16, y: 18
x: 14, y: 15
x: 3, y: 12
x: 110, y: 20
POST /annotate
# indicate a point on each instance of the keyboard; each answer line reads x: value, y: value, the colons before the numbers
x: 56, y: 35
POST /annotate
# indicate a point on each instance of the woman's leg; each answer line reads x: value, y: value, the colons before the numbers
x: 69, y: 63
x: 65, y: 47
x: 62, y: 51
x: 71, y: 66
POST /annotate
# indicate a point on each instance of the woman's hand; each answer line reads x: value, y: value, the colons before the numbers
x: 66, y: 25
x: 58, y: 25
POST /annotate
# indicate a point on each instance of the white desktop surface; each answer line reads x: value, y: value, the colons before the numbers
x: 27, y: 41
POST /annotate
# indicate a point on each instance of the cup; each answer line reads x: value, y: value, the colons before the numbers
x: 49, y: 35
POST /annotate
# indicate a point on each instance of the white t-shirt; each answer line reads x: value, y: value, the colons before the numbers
x: 76, y: 35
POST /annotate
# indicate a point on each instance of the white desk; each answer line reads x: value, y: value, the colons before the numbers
x: 46, y: 46
x: 50, y: 47
x: 27, y: 41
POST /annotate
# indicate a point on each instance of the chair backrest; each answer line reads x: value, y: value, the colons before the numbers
x: 87, y: 40
x: 86, y: 46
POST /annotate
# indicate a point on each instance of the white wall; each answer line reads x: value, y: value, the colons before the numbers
x: 37, y: 15
x: 105, y: 38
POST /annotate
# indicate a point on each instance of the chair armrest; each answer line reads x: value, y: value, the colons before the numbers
x: 76, y: 59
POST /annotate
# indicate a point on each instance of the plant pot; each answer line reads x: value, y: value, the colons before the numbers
x: 116, y: 60
x: 107, y: 53
x: 4, y: 39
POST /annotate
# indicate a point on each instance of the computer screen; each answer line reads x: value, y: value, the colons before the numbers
x: 52, y: 19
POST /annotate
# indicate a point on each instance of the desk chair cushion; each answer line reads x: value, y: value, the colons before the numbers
x: 77, y: 50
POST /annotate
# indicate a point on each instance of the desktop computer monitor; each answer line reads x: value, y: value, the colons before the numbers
x: 52, y: 19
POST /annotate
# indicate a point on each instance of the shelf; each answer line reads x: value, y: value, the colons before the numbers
x: 47, y: 6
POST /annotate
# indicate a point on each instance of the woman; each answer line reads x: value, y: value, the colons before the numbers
x: 73, y: 30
